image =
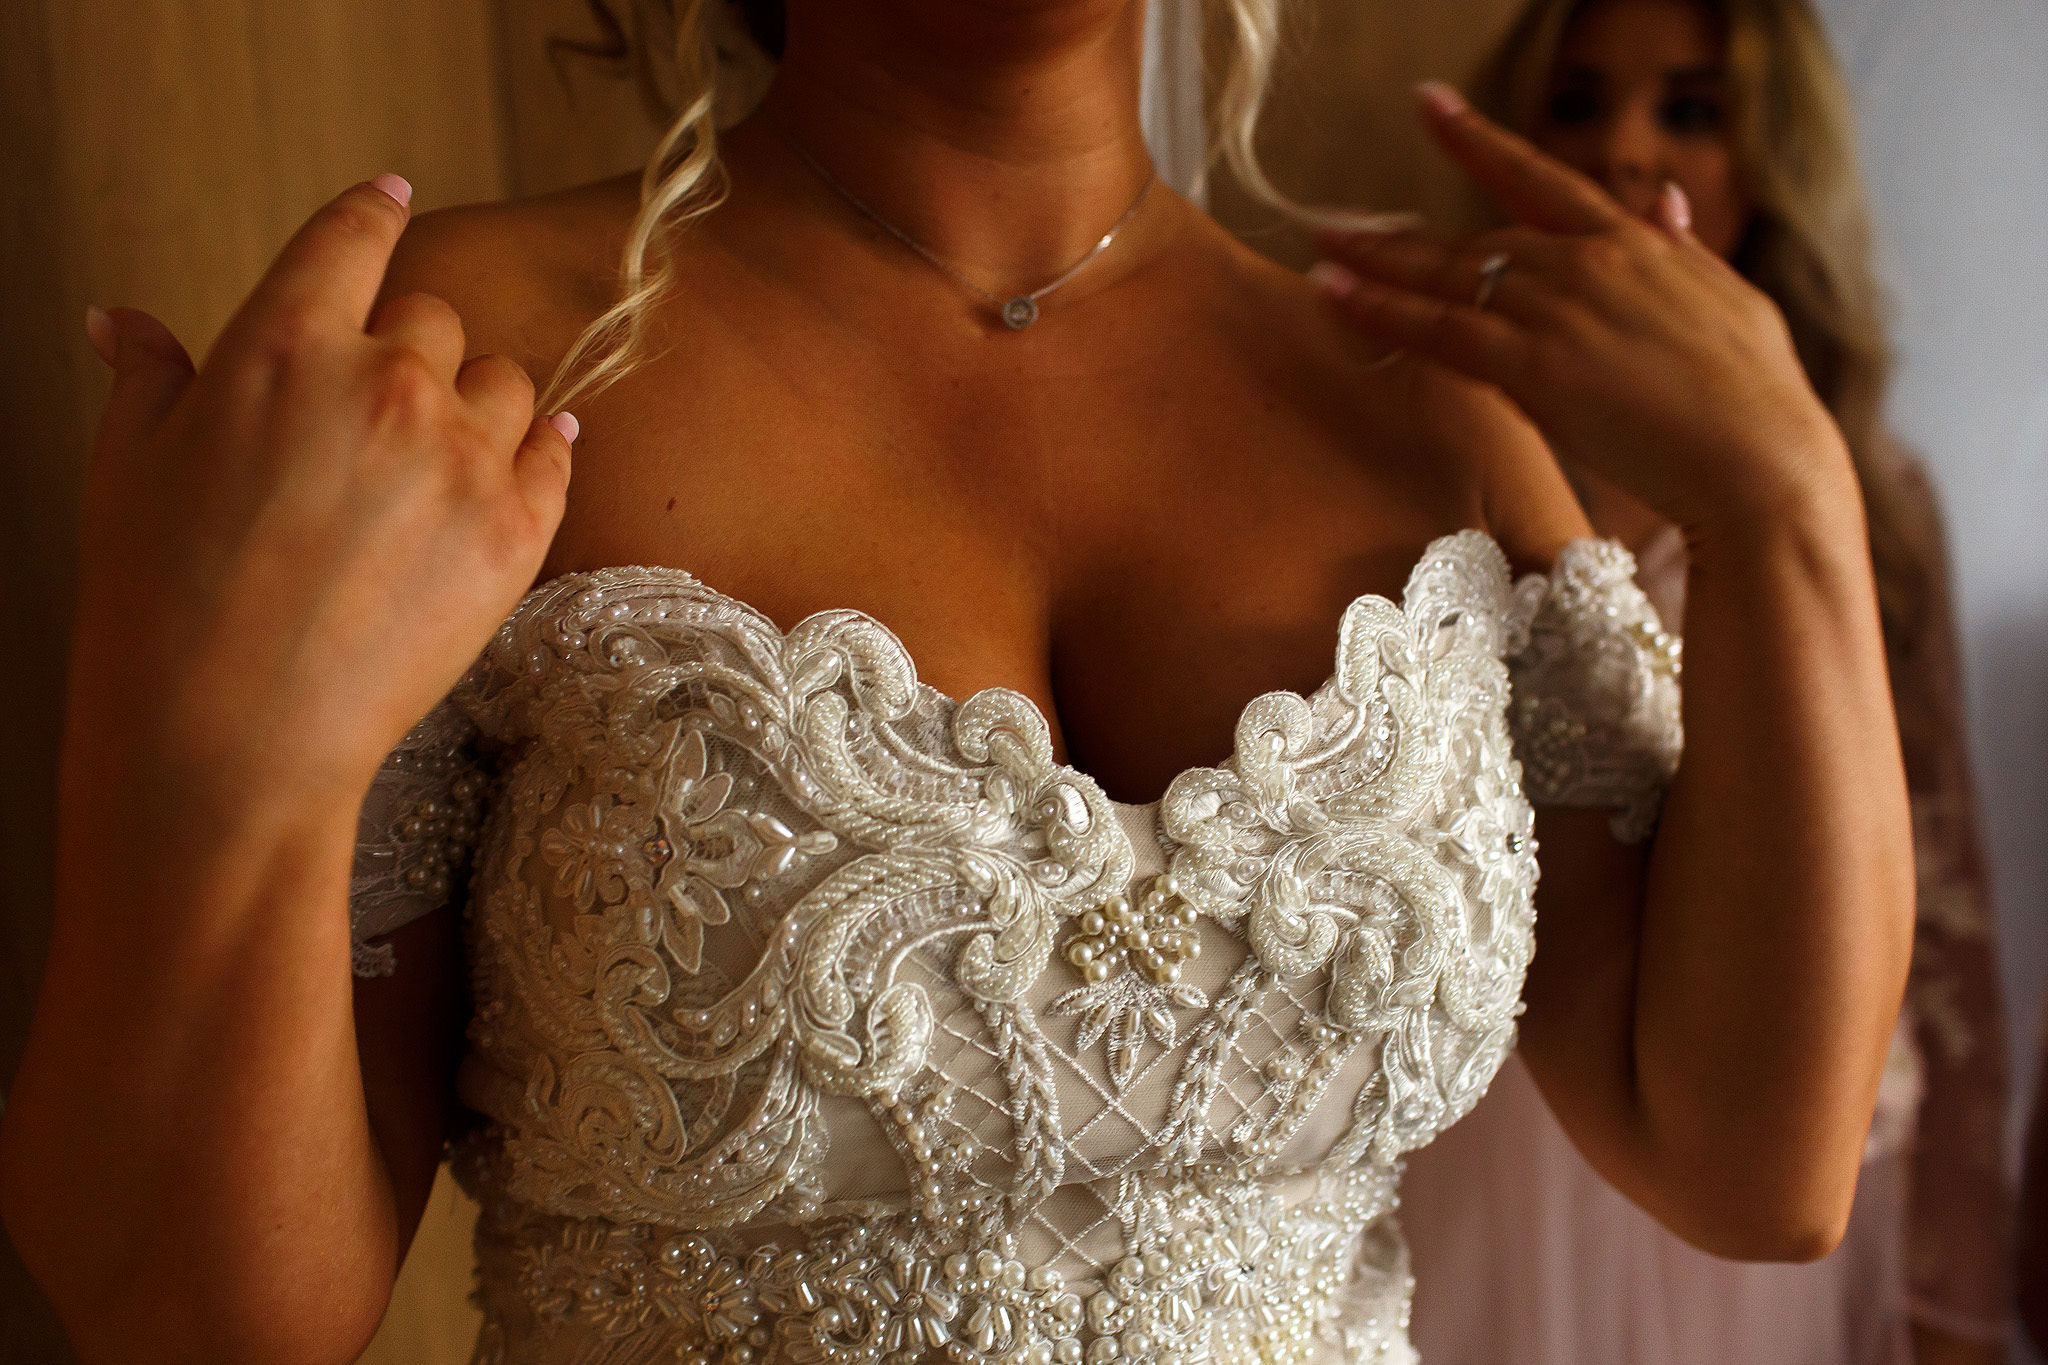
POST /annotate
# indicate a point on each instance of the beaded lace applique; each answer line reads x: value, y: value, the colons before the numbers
x: 1596, y: 696
x: 416, y: 833
x: 822, y: 1017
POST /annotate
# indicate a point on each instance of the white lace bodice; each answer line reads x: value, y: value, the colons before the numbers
x: 822, y: 1017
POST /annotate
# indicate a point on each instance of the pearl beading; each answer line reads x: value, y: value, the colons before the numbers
x: 1241, y: 1276
x: 1157, y: 936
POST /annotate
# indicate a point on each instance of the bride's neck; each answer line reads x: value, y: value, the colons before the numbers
x: 1002, y: 134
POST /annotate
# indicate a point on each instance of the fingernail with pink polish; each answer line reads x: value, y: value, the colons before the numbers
x: 566, y: 423
x: 396, y: 186
x: 1442, y: 98
x: 1677, y: 207
x: 1333, y: 279
x: 101, y: 332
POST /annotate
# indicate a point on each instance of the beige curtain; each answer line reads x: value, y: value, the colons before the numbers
x: 157, y: 152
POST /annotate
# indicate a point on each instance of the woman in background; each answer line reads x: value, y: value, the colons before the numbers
x: 1523, y: 1254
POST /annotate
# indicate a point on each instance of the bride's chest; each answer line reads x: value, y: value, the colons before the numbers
x: 1137, y: 579
x: 749, y: 897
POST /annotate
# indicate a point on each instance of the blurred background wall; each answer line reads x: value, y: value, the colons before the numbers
x: 156, y: 152
x: 1953, y: 108
x: 1952, y: 99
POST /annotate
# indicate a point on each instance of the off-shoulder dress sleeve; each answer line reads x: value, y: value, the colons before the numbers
x: 1594, y: 680
x: 417, y: 831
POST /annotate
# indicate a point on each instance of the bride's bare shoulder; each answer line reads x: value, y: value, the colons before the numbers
x: 1464, y: 435
x: 525, y: 275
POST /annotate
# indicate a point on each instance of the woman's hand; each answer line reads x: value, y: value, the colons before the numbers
x: 1636, y: 351
x: 291, y: 554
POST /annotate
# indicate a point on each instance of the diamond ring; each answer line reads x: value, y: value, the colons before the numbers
x: 1490, y: 271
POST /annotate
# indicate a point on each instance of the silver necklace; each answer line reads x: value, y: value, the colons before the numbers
x: 1017, y: 311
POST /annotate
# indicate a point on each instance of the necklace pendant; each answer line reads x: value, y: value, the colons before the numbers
x: 1020, y: 312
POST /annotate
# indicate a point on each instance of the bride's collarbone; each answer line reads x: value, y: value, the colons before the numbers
x: 788, y: 510
x: 1138, y: 638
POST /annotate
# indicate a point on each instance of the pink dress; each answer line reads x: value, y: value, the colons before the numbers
x: 1523, y: 1255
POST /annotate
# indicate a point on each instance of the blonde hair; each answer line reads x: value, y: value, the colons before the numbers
x: 1808, y: 243
x: 670, y: 45
x: 700, y: 64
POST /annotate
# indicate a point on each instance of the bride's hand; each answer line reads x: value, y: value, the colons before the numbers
x: 1635, y: 350
x: 290, y: 554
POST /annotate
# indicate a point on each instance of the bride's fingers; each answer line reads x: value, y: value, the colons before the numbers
x: 1674, y: 209
x: 540, y: 471
x: 328, y: 274
x: 1471, y: 340
x: 1530, y: 187
x: 500, y: 393
x: 151, y: 372
x: 427, y: 324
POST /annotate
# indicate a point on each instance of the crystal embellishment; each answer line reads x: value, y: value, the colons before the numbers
x: 1020, y: 312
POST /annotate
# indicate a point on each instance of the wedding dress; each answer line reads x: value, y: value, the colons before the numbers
x: 822, y: 1017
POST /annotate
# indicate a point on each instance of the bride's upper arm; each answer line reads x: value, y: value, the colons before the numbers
x: 409, y: 1038
x: 1526, y: 503
x: 1581, y: 992
x: 1513, y: 484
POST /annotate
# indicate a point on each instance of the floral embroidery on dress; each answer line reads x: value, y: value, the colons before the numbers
x: 821, y: 1017
x: 1126, y: 1012
x: 705, y: 849
x: 591, y: 850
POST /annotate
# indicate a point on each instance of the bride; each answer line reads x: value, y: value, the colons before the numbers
x: 1051, y: 819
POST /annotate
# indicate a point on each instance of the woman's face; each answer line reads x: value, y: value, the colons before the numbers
x: 1638, y: 97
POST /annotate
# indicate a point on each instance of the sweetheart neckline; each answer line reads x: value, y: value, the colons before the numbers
x: 598, y: 577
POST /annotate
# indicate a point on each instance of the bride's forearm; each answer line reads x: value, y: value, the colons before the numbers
x: 1777, y: 923
x: 186, y: 1162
